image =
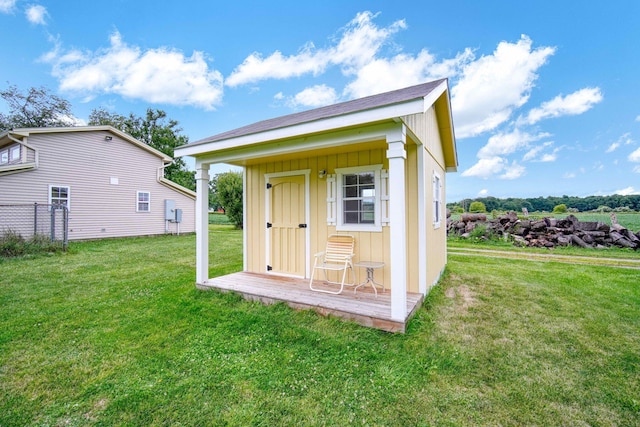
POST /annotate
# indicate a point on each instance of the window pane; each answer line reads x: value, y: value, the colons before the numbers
x: 367, y: 191
x: 351, y: 192
x: 350, y: 179
x: 366, y: 178
x: 351, y: 218
x: 351, y: 205
x: 15, y: 153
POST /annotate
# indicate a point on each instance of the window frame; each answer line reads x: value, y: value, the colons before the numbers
x: 437, y: 199
x: 376, y: 226
x: 147, y: 202
x: 53, y: 199
x: 8, y: 152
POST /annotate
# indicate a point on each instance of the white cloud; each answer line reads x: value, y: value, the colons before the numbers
x: 36, y: 14
x: 638, y: 119
x: 635, y: 156
x: 314, y: 96
x: 513, y: 171
x: 625, y: 139
x: 492, y: 87
x: 570, y: 105
x: 569, y: 175
x: 636, y: 169
x: 486, y: 167
x: 549, y: 157
x: 156, y: 75
x: 627, y: 191
x: 613, y: 147
x: 533, y: 153
x: 508, y: 143
x: 483, y: 193
x: 6, y: 6
x: 360, y: 42
x: 385, y: 74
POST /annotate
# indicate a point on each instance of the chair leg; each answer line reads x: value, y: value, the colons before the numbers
x: 313, y: 274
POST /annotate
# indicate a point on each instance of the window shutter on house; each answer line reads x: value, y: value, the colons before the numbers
x: 384, y: 196
x: 331, y: 199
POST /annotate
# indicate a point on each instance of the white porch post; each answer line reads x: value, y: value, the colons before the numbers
x: 202, y: 223
x: 397, y: 221
x: 422, y: 222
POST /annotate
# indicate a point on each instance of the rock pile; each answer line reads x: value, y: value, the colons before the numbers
x: 549, y: 232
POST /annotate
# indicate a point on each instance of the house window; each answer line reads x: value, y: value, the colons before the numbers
x: 143, y: 201
x: 437, y: 200
x: 358, y: 198
x: 14, y: 154
x: 10, y: 154
x: 60, y: 195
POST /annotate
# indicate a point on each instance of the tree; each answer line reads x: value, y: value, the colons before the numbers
x: 155, y: 130
x: 477, y: 207
x: 228, y: 187
x: 561, y: 208
x: 214, y: 200
x: 36, y: 108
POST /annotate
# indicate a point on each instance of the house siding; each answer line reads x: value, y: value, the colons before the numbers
x: 425, y: 127
x: 86, y: 163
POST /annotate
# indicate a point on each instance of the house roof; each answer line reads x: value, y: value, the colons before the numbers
x: 342, y: 108
x: 388, y: 106
x: 25, y: 132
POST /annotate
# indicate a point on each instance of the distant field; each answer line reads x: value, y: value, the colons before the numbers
x: 218, y: 218
x: 629, y: 220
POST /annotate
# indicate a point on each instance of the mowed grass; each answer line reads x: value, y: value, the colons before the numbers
x: 115, y: 333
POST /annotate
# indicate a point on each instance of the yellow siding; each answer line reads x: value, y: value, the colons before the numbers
x: 425, y: 128
x: 370, y: 246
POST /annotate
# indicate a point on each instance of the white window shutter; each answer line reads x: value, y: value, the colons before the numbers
x: 331, y: 199
x: 384, y: 196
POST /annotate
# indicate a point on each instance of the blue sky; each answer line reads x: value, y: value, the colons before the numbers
x: 545, y: 94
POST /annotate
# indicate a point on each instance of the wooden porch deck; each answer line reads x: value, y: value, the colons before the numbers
x: 362, y: 307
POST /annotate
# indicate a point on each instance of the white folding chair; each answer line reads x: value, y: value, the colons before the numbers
x: 336, y: 257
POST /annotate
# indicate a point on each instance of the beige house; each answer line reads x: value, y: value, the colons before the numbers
x: 372, y: 167
x: 112, y: 184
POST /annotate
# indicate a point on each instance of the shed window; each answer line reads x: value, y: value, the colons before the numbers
x: 60, y: 195
x: 359, y: 198
x: 143, y: 201
x: 437, y: 200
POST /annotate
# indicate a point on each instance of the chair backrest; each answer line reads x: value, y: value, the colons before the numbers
x: 339, y: 246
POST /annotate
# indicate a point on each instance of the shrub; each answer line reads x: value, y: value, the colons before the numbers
x: 561, y: 208
x: 12, y: 244
x: 623, y: 209
x: 477, y: 207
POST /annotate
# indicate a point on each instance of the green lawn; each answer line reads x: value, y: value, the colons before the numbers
x: 115, y: 333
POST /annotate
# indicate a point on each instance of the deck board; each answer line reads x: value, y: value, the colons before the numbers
x: 362, y: 307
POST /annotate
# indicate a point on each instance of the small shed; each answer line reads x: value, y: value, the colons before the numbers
x: 372, y: 167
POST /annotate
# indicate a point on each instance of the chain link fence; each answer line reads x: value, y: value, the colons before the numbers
x: 31, y: 220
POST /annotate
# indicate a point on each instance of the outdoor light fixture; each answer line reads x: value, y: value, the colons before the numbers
x: 322, y: 173
x: 108, y: 138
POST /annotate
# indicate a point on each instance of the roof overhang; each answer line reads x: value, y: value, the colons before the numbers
x: 352, y: 128
x: 25, y: 132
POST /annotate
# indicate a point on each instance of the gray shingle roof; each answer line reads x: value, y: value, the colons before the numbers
x: 360, y: 104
